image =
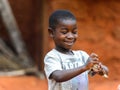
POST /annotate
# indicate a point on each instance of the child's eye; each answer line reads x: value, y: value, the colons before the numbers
x: 63, y: 32
x: 74, y: 32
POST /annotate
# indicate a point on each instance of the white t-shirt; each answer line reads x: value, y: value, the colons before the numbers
x: 55, y: 60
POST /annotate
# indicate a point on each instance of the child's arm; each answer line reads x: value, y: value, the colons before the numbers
x: 64, y: 75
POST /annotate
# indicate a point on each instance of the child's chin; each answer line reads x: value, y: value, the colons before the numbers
x: 68, y: 47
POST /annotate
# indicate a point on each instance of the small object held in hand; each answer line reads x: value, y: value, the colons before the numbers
x: 91, y: 72
x: 105, y: 76
x: 94, y: 70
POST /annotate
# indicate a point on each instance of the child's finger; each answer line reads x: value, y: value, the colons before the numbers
x: 93, y: 55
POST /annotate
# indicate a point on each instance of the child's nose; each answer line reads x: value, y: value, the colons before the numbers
x: 70, y: 35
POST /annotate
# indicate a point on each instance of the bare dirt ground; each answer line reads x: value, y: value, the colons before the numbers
x: 22, y: 83
x: 33, y: 83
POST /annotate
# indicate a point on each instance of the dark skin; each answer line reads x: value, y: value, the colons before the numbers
x: 64, y: 36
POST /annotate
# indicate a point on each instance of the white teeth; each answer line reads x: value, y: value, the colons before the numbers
x: 69, y: 43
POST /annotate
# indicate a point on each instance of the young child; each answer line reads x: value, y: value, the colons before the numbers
x: 67, y: 69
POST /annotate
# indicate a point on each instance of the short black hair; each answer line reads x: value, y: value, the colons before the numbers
x: 58, y: 15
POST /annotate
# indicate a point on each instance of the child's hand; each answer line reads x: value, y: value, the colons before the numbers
x: 99, y: 69
x: 92, y: 60
x: 104, y: 71
x: 96, y: 67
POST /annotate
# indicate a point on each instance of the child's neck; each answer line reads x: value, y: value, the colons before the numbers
x: 65, y: 51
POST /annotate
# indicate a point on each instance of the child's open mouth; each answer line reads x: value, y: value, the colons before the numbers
x: 69, y: 42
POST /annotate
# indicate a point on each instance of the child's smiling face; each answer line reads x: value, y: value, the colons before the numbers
x: 65, y: 34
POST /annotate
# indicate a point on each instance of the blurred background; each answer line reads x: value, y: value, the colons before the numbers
x: 99, y: 32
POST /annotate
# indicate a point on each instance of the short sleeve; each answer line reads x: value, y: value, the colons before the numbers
x: 85, y: 55
x: 51, y: 63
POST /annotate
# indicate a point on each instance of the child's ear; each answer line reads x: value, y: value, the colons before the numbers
x: 50, y: 32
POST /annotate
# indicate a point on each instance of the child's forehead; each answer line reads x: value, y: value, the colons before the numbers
x: 67, y: 21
